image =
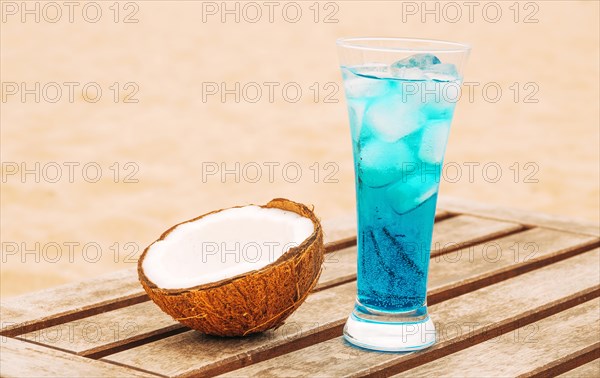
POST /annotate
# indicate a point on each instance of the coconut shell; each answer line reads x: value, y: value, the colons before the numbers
x: 252, y: 302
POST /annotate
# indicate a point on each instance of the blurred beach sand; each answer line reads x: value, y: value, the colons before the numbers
x: 171, y: 136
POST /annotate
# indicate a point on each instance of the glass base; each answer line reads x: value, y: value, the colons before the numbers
x: 390, y: 332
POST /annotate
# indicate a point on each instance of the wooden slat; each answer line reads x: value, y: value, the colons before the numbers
x: 442, y: 214
x: 462, y: 206
x: 330, y: 316
x: 465, y: 230
x: 73, y: 301
x: 23, y: 359
x: 109, y: 332
x: 527, y: 348
x: 499, y: 259
x: 469, y: 319
x: 340, y: 228
x: 338, y: 267
x: 565, y: 363
x: 589, y: 370
x: 339, y: 233
x: 69, y: 302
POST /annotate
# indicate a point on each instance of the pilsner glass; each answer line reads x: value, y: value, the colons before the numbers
x: 401, y: 94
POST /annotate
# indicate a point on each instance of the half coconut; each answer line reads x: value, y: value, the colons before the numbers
x: 236, y: 271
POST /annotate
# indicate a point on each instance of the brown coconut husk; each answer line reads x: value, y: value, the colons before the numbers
x: 252, y: 302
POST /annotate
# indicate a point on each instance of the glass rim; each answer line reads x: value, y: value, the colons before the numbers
x: 440, y: 46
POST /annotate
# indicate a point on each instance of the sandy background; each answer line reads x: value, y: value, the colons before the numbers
x: 171, y: 134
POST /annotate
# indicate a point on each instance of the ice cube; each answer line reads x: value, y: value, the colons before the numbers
x: 422, y: 61
x: 424, y: 67
x: 433, y: 141
x: 372, y: 70
x: 442, y: 72
x: 442, y: 110
x: 394, y: 116
x: 410, y: 192
x: 440, y: 98
x: 356, y: 110
x: 383, y: 163
x: 362, y: 87
x: 408, y: 73
x: 363, y: 82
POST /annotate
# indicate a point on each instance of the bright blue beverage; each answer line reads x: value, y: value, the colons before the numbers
x: 401, y: 95
x: 400, y: 119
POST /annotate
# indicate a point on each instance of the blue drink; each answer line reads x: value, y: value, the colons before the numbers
x: 399, y: 138
x: 400, y: 112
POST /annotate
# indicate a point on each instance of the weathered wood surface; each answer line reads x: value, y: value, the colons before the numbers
x: 23, y: 359
x: 106, y: 331
x: 565, y: 363
x: 73, y: 301
x: 320, y: 318
x: 502, y: 258
x: 485, y: 306
x: 41, y: 309
x: 461, y: 206
x: 111, y: 331
x: 493, y: 272
x: 464, y: 230
x: 528, y: 348
x: 461, y: 322
x: 64, y: 303
x: 589, y: 370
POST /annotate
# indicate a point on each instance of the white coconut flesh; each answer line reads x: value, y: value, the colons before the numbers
x: 223, y: 245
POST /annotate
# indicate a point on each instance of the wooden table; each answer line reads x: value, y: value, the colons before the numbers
x: 512, y: 294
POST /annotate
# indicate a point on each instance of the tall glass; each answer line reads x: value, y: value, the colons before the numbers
x: 401, y: 95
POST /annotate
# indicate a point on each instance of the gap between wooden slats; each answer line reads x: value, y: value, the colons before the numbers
x: 587, y: 370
